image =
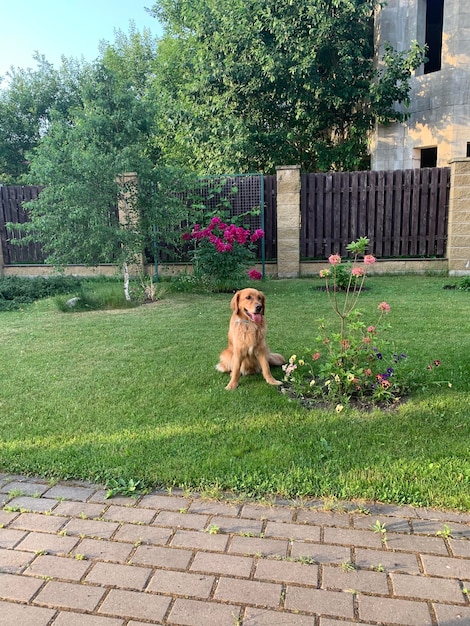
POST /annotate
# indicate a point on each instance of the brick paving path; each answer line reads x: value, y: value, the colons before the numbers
x: 70, y: 557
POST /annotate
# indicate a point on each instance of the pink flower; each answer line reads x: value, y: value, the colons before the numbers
x: 258, y: 234
x: 371, y: 329
x: 214, y: 222
x: 357, y: 271
x: 253, y: 274
x: 316, y: 356
x: 369, y: 259
x: 187, y: 237
x: 383, y: 306
x: 334, y: 259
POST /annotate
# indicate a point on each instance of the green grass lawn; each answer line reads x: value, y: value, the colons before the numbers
x: 134, y: 395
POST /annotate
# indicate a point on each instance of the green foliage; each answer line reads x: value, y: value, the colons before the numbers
x: 222, y: 254
x: 26, y: 106
x: 16, y: 291
x: 464, y: 284
x: 352, y: 360
x: 247, y: 86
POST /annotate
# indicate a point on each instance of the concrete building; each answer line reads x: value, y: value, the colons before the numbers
x: 438, y: 129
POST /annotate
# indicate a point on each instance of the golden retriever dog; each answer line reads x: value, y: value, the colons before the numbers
x: 247, y: 351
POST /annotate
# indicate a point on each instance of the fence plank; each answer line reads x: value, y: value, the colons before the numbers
x: 403, y: 213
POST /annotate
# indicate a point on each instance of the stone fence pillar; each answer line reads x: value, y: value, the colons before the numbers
x: 288, y: 221
x: 458, y: 227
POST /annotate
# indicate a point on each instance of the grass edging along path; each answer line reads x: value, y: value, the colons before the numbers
x: 134, y: 395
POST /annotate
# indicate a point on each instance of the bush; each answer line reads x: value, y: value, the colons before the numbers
x: 16, y: 291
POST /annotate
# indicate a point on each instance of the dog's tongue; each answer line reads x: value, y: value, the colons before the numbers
x: 256, y: 317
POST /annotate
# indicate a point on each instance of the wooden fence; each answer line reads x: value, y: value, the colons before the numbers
x: 402, y: 212
x: 11, y: 210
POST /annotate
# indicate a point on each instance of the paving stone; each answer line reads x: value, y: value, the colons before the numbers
x: 297, y: 532
x: 143, y: 534
x: 24, y: 615
x: 45, y: 542
x: 6, y: 518
x: 237, y: 590
x: 13, y: 561
x: 320, y: 601
x: 448, y: 615
x: 267, y: 512
x: 25, y: 488
x: 322, y: 518
x: 9, y: 538
x: 129, y: 514
x: 222, y: 564
x: 117, y: 575
x: 94, y: 549
x: 27, y: 503
x: 287, y: 571
x: 392, y: 524
x: 388, y: 560
x: 199, y: 541
x: 446, y: 567
x: 460, y: 548
x: 181, y: 583
x: 190, y: 521
x: 83, y: 510
x: 135, y: 605
x: 327, y: 621
x: 165, y: 503
x: 262, y: 547
x: 416, y: 543
x: 355, y: 580
x: 444, y: 516
x: 237, y: 525
x: 195, y: 613
x: 91, y: 528
x: 69, y: 595
x: 162, y: 557
x: 40, y: 523
x: 265, y: 617
x: 348, y: 537
x: 427, y: 527
x: 320, y: 553
x: 391, y: 611
x: 393, y: 510
x: 67, y: 492
x: 18, y: 588
x: 81, y: 619
x: 427, y: 588
x: 212, y: 507
x: 60, y: 567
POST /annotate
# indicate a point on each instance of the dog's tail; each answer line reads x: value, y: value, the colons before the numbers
x: 276, y: 359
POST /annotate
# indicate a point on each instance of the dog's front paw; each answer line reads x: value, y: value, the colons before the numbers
x: 232, y: 385
x: 273, y: 381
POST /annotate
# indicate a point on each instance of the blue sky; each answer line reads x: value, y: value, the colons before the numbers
x: 72, y: 28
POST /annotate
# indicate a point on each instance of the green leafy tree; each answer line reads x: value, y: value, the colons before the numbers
x: 78, y: 162
x: 26, y: 104
x: 248, y: 85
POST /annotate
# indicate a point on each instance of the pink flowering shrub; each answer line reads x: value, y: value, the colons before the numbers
x: 352, y: 359
x: 222, y: 252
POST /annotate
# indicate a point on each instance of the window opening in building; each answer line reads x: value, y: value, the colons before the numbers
x: 468, y: 149
x: 433, y: 38
x: 429, y: 157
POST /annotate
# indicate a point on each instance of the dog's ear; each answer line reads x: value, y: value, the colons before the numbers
x: 234, y: 302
